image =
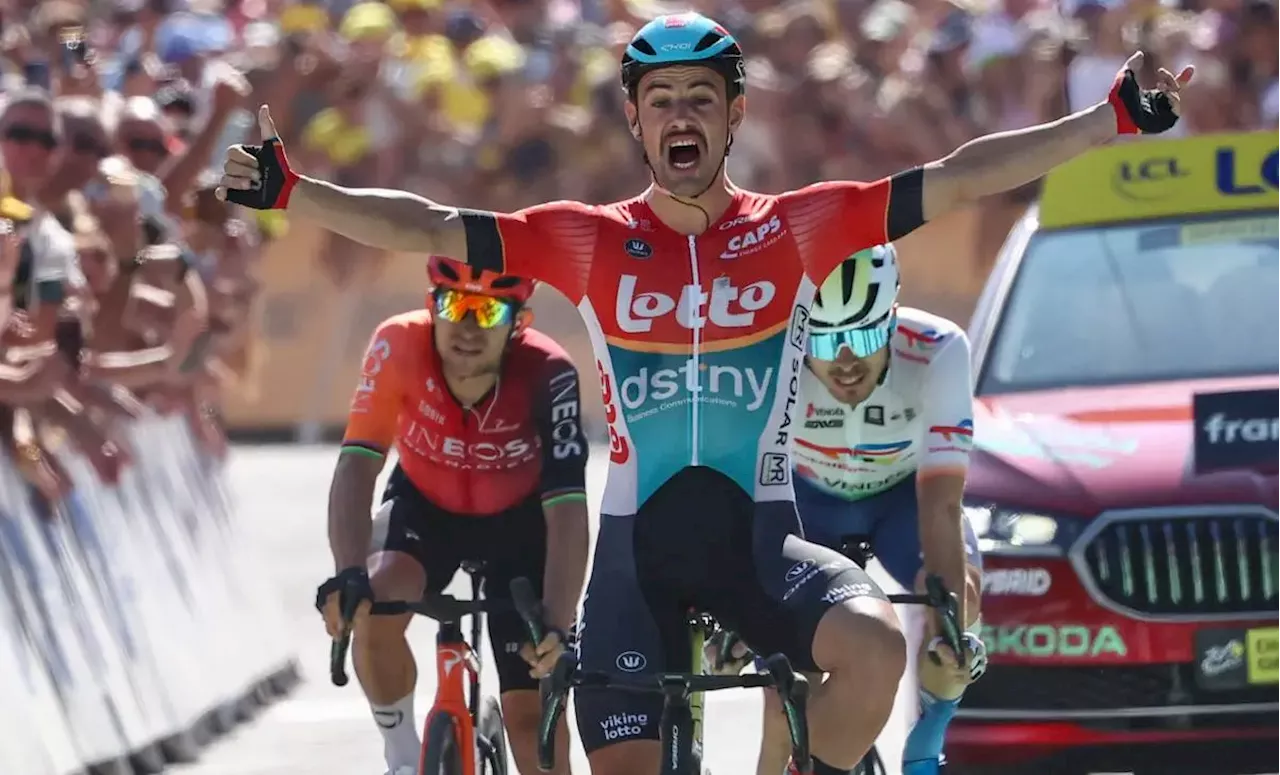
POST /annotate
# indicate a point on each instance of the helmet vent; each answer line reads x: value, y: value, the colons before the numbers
x: 708, y: 40
x: 644, y: 47
x: 504, y: 282
x: 448, y: 272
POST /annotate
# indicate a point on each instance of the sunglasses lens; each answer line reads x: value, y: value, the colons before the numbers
x: 453, y: 306
x: 825, y: 345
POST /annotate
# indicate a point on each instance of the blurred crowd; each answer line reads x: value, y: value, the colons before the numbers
x: 125, y: 285
x: 506, y: 103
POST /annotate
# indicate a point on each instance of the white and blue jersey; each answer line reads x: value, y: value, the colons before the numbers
x: 856, y: 466
x: 856, y: 469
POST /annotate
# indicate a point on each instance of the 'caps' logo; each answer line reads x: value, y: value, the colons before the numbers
x: 753, y: 239
x: 726, y: 306
x: 1147, y: 180
x: 638, y: 248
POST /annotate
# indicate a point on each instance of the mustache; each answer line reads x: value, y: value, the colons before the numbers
x: 702, y: 138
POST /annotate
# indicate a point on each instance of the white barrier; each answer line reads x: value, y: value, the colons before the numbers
x: 133, y: 625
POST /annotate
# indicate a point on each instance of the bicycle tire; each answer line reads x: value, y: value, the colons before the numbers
x: 493, y: 735
x: 440, y: 754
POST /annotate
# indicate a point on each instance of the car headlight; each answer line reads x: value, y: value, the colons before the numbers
x: 1008, y: 530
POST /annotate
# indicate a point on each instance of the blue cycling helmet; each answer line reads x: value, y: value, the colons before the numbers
x: 684, y: 39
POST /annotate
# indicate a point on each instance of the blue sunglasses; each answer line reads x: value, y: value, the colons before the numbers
x: 825, y: 345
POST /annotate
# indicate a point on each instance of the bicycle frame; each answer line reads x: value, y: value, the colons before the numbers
x: 455, y: 662
x: 682, y: 702
x: 699, y: 629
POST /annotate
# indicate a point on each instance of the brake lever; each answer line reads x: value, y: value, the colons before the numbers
x: 946, y: 604
x: 555, y: 694
x: 339, y: 647
x: 793, y: 690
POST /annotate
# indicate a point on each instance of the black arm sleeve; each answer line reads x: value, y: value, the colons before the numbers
x: 559, y: 417
x: 905, y: 211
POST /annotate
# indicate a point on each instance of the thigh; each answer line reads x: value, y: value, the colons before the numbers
x: 896, y: 538
x: 408, y: 526
x: 625, y: 628
x: 512, y: 545
x: 787, y: 585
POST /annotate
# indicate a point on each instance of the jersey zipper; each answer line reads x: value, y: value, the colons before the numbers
x: 694, y: 362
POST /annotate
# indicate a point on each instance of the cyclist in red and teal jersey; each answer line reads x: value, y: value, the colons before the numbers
x: 696, y: 294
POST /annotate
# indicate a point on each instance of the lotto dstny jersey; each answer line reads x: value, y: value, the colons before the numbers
x: 920, y: 419
x: 699, y: 339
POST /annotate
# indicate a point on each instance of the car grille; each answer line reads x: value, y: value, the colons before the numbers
x: 1048, y: 689
x: 1193, y: 564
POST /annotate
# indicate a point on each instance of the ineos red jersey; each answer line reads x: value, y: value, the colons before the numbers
x: 524, y: 437
x: 699, y: 338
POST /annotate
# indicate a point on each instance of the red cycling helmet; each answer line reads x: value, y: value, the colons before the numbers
x: 447, y: 273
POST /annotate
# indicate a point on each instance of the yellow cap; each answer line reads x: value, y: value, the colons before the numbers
x: 15, y: 209
x: 368, y: 20
x: 492, y: 56
x: 303, y: 18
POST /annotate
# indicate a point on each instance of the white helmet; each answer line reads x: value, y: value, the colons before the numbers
x: 859, y: 293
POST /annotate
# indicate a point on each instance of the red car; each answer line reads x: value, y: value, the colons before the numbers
x: 1124, y: 480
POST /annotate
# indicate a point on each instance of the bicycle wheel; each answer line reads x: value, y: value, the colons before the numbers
x: 493, y: 738
x: 440, y: 754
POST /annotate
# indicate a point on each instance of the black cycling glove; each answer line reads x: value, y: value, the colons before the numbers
x: 1138, y: 110
x: 276, y: 181
x: 353, y: 588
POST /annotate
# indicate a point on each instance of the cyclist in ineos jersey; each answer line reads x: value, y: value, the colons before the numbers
x: 882, y: 453
x: 485, y: 415
x: 696, y: 295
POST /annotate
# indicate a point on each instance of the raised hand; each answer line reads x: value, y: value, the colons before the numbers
x: 258, y: 176
x: 1147, y: 111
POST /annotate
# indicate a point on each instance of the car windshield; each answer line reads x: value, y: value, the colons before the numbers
x: 1140, y: 303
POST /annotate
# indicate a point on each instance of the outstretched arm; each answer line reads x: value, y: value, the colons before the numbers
x: 833, y: 220
x: 1005, y: 160
x: 553, y: 242
x: 381, y: 217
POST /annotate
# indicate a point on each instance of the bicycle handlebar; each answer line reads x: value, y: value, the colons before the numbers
x: 939, y: 598
x: 792, y: 687
x: 441, y: 607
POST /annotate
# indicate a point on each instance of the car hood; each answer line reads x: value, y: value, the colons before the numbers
x: 1086, y: 450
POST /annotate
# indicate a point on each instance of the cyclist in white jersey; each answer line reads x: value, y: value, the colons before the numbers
x: 882, y: 453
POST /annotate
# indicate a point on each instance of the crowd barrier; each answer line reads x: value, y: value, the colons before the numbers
x: 132, y: 629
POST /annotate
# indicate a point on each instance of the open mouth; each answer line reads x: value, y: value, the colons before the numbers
x: 684, y: 153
